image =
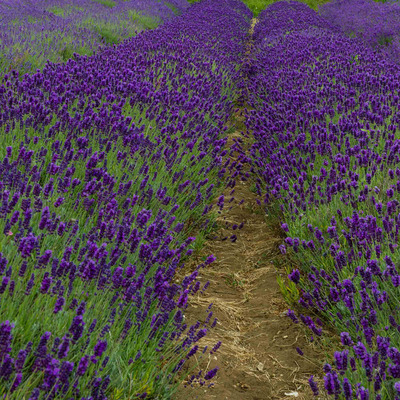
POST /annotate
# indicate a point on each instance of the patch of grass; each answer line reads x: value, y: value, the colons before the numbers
x: 106, y: 3
x: 259, y: 5
x: 32, y: 20
x: 314, y: 4
x: 68, y: 51
x: 145, y: 21
x: 108, y: 32
x: 108, y: 35
x: 60, y: 12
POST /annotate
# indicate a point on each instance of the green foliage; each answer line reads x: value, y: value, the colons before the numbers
x: 385, y: 40
x: 67, y: 52
x: 57, y: 11
x: 258, y: 5
x: 107, y: 33
x: 107, y: 3
x: 144, y: 21
x: 32, y: 20
x: 172, y: 7
x: 289, y: 290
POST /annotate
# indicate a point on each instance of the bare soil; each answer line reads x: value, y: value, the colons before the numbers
x: 258, y: 358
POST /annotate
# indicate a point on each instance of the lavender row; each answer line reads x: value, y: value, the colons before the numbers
x: 325, y: 120
x: 105, y: 163
x: 376, y: 23
x: 35, y: 31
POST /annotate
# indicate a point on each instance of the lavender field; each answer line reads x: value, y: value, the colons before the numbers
x: 120, y: 137
x: 32, y: 32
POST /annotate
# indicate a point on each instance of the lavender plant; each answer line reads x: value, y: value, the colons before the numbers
x: 325, y: 124
x: 105, y: 161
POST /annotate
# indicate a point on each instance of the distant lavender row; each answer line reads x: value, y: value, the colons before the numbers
x: 376, y: 23
x: 326, y: 123
x: 33, y: 31
x: 105, y: 162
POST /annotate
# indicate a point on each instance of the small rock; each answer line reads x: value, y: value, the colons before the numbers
x: 294, y: 394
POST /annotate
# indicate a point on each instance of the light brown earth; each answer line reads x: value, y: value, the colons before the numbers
x: 258, y: 358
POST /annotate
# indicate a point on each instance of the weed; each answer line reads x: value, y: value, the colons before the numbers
x: 232, y: 281
x: 289, y: 290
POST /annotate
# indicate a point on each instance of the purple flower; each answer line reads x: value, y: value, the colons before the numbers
x: 360, y: 350
x: 63, y: 348
x: 83, y: 366
x: 65, y: 371
x: 5, y: 338
x: 299, y: 351
x: 26, y: 246
x: 332, y: 384
x: 20, y: 361
x: 294, y: 276
x: 30, y: 285
x: 346, y: 339
x: 292, y: 316
x: 45, y: 258
x: 59, y: 305
x: 211, y: 374
x: 347, y: 389
x: 100, y: 348
x: 35, y: 394
x: 17, y: 382
x: 46, y: 283
x: 313, y: 385
x: 210, y: 259
x: 76, y: 328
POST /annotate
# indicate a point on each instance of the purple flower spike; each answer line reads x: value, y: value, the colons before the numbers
x: 294, y: 276
x: 211, y: 374
x: 313, y: 385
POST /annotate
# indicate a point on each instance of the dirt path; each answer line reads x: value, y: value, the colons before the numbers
x: 258, y: 358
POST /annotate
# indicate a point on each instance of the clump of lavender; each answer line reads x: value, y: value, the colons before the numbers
x: 325, y: 121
